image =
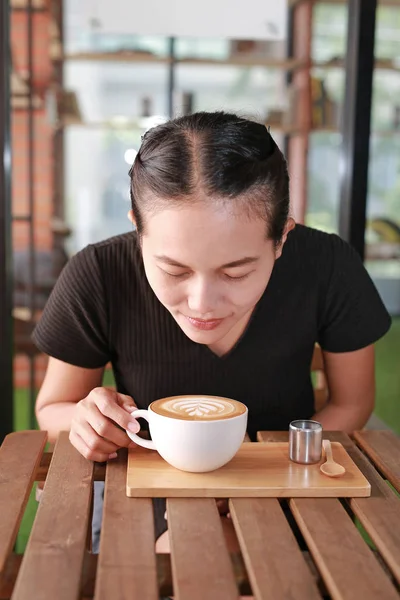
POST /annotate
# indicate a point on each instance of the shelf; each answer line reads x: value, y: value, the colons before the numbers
x: 55, y: 41
x: 238, y: 61
x: 386, y: 65
x: 63, y: 107
x: 22, y: 103
x: 138, y: 57
x: 328, y: 129
x: 386, y: 132
x: 293, y: 3
x: 122, y: 124
x: 298, y: 131
x: 20, y: 94
x: 246, y: 61
x: 127, y: 56
x: 293, y: 131
x: 140, y: 123
x: 23, y: 4
x: 382, y: 251
x: 338, y: 63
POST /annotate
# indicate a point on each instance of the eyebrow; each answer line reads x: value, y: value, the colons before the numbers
x: 236, y: 263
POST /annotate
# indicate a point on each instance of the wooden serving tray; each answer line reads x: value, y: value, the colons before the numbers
x: 258, y: 470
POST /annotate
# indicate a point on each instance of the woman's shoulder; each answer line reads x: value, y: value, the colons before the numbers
x: 114, y: 246
x: 317, y: 247
x: 113, y: 262
x: 109, y: 253
x: 311, y: 238
x: 315, y: 256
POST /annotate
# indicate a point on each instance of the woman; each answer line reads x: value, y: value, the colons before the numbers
x: 217, y: 292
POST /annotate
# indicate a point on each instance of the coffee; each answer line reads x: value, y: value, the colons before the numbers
x: 194, y: 433
x: 198, y: 408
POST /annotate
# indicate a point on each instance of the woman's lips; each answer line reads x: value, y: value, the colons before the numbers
x: 204, y: 325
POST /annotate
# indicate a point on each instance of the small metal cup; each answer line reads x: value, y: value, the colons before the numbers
x: 305, y: 441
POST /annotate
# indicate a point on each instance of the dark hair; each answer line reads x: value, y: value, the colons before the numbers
x: 225, y: 157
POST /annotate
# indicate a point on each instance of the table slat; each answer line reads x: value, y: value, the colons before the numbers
x: 127, y: 562
x: 42, y: 470
x: 20, y: 456
x: 164, y: 575
x: 346, y: 563
x: 380, y: 513
x: 272, y: 556
x: 383, y: 448
x: 201, y: 567
x: 53, y: 561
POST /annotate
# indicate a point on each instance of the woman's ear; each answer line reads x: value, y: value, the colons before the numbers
x: 290, y: 224
x: 131, y: 217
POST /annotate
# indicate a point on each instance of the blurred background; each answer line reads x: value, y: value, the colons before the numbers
x: 87, y: 79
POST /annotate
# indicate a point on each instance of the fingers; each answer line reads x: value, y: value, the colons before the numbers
x: 109, y: 404
x: 99, y: 423
x: 106, y: 429
x: 93, y: 441
x: 126, y: 402
x: 88, y: 453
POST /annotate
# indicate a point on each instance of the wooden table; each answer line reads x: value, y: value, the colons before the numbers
x: 332, y: 559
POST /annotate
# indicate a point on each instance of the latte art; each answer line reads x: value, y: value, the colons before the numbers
x: 201, y: 408
x: 198, y: 408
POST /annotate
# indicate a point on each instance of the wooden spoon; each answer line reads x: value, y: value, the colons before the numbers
x: 330, y: 467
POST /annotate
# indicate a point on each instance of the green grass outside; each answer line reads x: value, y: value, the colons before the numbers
x: 387, y: 407
x: 388, y: 377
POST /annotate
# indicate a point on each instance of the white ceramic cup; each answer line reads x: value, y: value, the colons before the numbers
x: 197, y: 446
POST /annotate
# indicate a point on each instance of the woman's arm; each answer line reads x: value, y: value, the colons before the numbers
x: 71, y: 399
x: 351, y: 383
x: 63, y: 387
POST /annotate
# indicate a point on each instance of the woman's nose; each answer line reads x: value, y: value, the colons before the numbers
x: 202, y: 298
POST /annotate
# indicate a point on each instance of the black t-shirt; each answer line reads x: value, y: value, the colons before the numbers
x: 102, y: 309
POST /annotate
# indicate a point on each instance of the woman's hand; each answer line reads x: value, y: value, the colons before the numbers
x: 351, y: 385
x: 99, y: 422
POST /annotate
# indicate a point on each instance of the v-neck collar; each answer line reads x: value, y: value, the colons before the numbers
x: 238, y: 342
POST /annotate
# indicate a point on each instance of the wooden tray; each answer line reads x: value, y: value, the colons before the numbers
x: 258, y: 470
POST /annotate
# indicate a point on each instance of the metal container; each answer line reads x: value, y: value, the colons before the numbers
x: 305, y: 441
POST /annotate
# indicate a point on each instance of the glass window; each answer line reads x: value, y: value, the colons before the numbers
x: 252, y: 91
x: 328, y: 43
x: 383, y: 209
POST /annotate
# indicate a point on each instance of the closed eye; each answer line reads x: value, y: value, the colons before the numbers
x: 175, y: 275
x: 225, y: 275
x: 239, y: 278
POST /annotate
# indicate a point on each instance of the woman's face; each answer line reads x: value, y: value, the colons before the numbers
x: 207, y: 266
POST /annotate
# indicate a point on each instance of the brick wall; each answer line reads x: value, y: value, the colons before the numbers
x: 43, y: 152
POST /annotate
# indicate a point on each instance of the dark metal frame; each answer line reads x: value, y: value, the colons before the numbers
x: 7, y: 219
x: 58, y: 138
x: 171, y: 76
x: 31, y: 199
x: 289, y: 74
x: 356, y: 125
x: 6, y: 342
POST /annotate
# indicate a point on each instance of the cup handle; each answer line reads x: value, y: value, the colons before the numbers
x: 134, y: 437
